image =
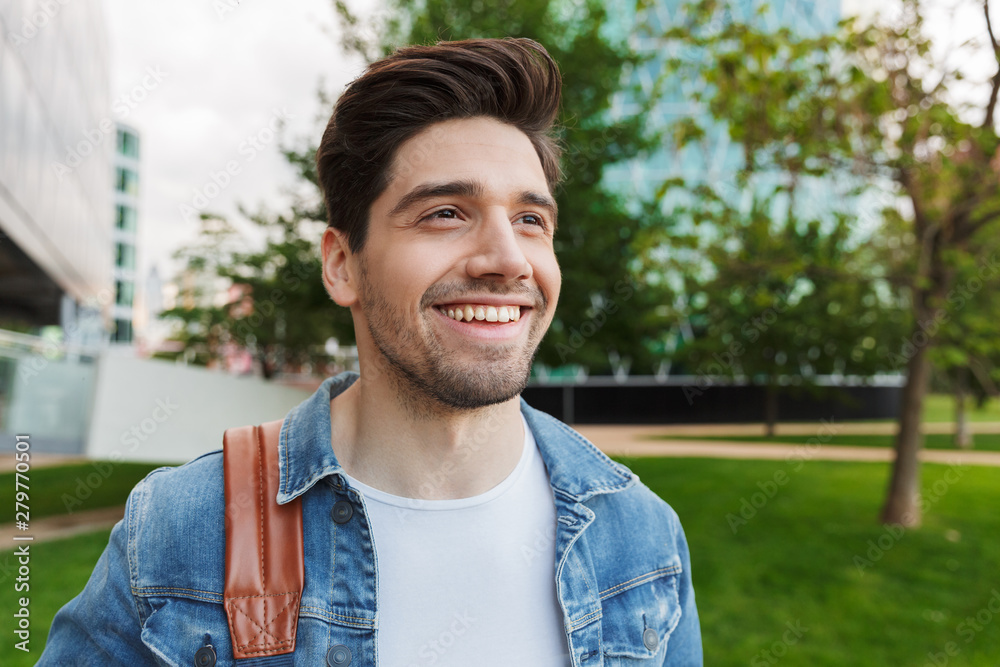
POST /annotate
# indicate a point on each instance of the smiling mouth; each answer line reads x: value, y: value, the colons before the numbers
x: 468, y: 312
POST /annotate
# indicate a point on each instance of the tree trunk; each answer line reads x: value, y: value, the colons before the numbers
x: 770, y: 408
x: 902, y: 506
x: 963, y: 436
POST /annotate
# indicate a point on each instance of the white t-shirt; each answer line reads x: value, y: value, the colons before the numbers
x: 469, y: 581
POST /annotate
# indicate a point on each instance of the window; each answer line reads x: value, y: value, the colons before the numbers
x: 122, y: 332
x: 123, y: 292
x: 128, y: 144
x: 125, y: 217
x: 126, y: 181
x: 125, y: 255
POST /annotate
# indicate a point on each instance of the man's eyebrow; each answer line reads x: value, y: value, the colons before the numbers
x: 539, y: 199
x: 464, y: 188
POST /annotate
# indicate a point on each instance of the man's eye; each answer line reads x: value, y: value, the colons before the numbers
x: 445, y: 213
x: 532, y: 219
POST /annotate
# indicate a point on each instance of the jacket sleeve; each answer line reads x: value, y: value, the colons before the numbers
x: 684, y: 648
x: 102, y: 625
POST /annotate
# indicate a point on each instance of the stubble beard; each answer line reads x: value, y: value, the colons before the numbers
x: 426, y: 375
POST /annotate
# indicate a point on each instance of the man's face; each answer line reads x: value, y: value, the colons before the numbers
x: 458, y: 281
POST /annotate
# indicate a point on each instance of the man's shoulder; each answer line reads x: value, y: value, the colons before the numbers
x: 197, y: 483
x: 176, y: 529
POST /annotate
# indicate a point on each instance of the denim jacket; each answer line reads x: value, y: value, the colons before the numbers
x: 622, y: 570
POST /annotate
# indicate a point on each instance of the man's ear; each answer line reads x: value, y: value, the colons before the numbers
x: 338, y: 270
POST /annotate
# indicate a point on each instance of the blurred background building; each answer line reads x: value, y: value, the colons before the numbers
x: 126, y: 217
x: 57, y: 139
x: 56, y: 143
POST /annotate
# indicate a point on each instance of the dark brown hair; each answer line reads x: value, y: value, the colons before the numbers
x: 513, y: 80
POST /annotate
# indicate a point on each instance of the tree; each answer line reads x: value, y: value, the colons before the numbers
x: 604, y: 319
x: 872, y: 102
x: 785, y: 301
x: 966, y: 353
x: 283, y: 276
x: 201, y: 324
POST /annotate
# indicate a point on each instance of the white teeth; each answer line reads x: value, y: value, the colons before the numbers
x: 469, y: 312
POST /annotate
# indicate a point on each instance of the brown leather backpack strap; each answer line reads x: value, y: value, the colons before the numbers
x: 264, y: 566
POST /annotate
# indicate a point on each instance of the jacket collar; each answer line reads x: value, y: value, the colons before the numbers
x: 577, y: 469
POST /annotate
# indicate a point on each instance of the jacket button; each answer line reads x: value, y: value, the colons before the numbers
x: 650, y: 639
x: 342, y: 513
x: 338, y: 656
x: 204, y: 657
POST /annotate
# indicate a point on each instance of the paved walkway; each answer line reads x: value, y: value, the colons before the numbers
x: 61, y: 526
x: 634, y: 441
x: 7, y: 461
x: 808, y: 430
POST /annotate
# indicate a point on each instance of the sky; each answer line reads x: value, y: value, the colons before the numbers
x: 204, y: 82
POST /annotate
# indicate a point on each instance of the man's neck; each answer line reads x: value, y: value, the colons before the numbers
x: 435, y: 453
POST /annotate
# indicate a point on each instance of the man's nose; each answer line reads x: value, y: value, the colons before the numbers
x: 498, y: 253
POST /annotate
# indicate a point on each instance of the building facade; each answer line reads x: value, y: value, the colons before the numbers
x: 56, y: 143
x: 57, y: 139
x: 126, y: 203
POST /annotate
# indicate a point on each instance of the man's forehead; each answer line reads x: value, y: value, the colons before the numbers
x: 457, y: 143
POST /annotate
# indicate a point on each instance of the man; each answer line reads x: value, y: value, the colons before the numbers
x: 445, y: 522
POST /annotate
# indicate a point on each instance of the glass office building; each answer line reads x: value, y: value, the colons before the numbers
x: 57, y: 138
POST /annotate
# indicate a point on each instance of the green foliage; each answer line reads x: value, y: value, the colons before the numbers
x: 280, y: 310
x: 784, y: 299
x: 606, y: 312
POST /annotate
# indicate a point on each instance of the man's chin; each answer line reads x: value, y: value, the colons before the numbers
x: 460, y: 386
x: 477, y: 391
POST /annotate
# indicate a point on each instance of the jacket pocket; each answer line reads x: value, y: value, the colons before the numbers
x: 177, y: 628
x: 638, y: 615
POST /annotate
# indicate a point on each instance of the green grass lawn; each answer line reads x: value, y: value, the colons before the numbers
x: 981, y: 441
x: 794, y: 561
x: 59, y: 571
x: 71, y: 488
x: 941, y: 408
